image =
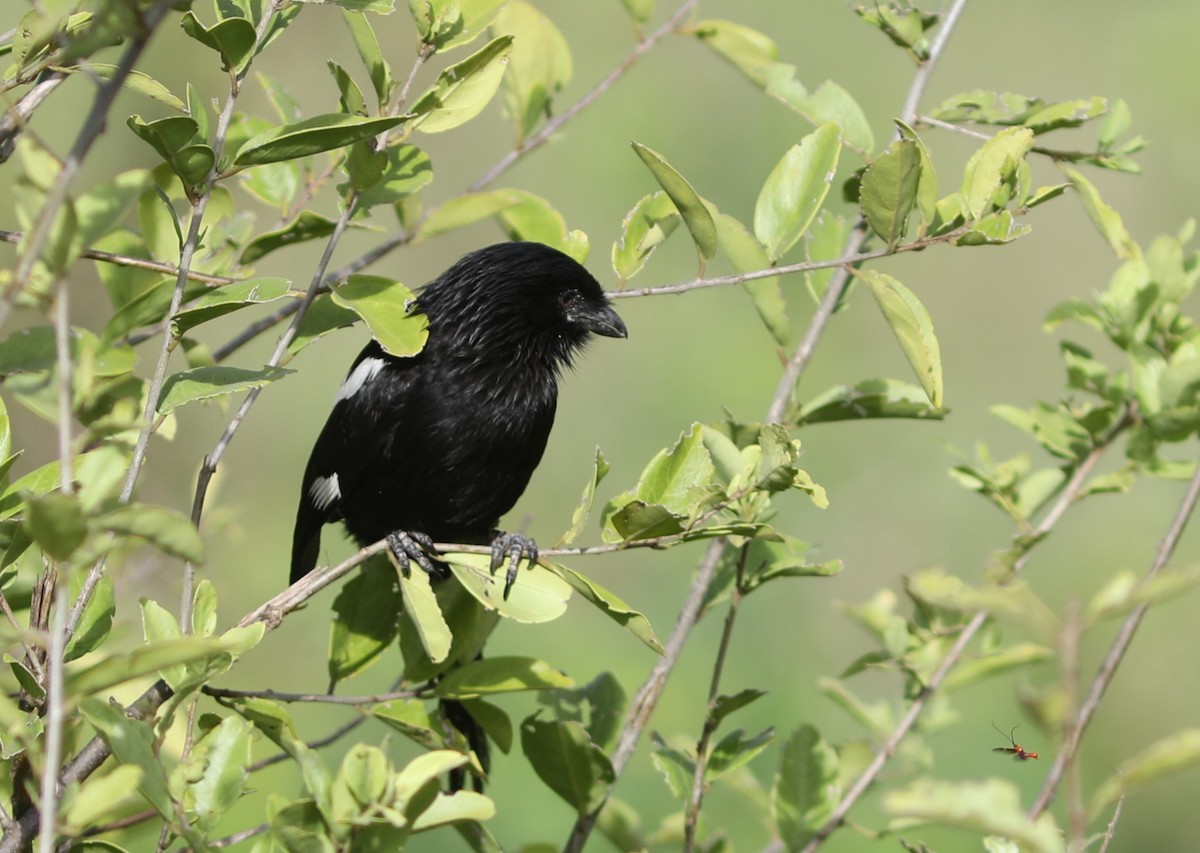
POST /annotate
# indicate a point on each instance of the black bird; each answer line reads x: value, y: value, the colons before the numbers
x: 437, y: 447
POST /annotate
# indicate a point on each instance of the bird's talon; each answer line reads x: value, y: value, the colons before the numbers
x: 511, y: 548
x: 412, y: 547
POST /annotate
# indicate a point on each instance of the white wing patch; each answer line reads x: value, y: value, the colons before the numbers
x: 360, y: 376
x: 324, y: 491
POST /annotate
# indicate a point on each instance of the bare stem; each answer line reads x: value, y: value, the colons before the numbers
x: 691, y: 818
x: 1108, y: 668
x: 55, y: 716
x: 130, y: 261
x: 322, y: 698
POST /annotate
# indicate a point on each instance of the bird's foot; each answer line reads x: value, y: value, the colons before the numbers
x: 409, y: 546
x: 512, y: 546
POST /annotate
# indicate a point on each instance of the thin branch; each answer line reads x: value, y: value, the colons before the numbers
x: 17, y: 116
x: 333, y: 737
x: 691, y: 818
x: 230, y: 840
x: 130, y: 261
x: 55, y: 719
x: 324, y: 698
x: 1116, y: 652
x: 1112, y: 825
x: 62, y: 354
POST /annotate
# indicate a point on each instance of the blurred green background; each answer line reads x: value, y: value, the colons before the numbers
x: 892, y: 508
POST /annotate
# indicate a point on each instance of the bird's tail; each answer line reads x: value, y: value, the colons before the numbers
x: 458, y: 716
x: 306, y: 541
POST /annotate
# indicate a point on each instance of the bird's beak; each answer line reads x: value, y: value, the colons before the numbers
x: 600, y: 319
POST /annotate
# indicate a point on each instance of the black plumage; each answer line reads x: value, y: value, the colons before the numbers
x: 437, y: 447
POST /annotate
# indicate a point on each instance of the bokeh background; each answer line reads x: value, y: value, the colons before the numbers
x: 892, y: 508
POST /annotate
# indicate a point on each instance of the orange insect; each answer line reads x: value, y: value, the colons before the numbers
x: 1016, y: 750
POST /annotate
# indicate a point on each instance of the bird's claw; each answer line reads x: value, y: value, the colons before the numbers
x: 409, y: 546
x: 512, y: 546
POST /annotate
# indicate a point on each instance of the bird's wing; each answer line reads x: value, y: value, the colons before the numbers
x: 349, y: 446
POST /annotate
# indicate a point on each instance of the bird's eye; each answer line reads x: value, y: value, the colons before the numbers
x: 568, y: 298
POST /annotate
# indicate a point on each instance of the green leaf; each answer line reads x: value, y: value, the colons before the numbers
x: 450, y: 23
x: 648, y: 224
x: 495, y: 722
x: 167, y: 530
x: 538, y: 68
x: 311, y: 136
x: 36, y: 482
x: 599, y: 706
x: 564, y: 758
x: 233, y: 38
x: 747, y: 255
x: 1107, y: 221
x: 689, y: 204
x: 675, y: 486
x: 795, y: 189
x: 499, y: 675
x: 829, y: 103
x: 98, y: 800
x: 538, y: 594
x: 994, y: 163
x: 990, y: 807
x: 461, y: 807
x: 462, y: 91
x: 322, y: 317
x: 166, y: 135
x: 580, y: 516
x: 411, y: 718
x: 132, y: 744
x: 102, y: 208
x: 421, y: 605
x: 146, y: 660
x: 747, y: 49
x: 57, y: 524
x: 213, y: 778
x: 678, y: 768
x: 384, y: 305
x: 96, y: 620
x: 914, y: 330
x: 735, y: 750
x: 307, y: 226
x: 888, y: 192
x: 1165, y: 757
x: 726, y: 704
x: 871, y: 398
x: 995, y: 229
x: 614, y: 608
x: 205, y: 383
x: 364, y: 624
x: 535, y: 220
x: 805, y: 789
x: 406, y: 169
x: 226, y: 299
x: 996, y: 663
x: 465, y: 209
x: 368, y: 50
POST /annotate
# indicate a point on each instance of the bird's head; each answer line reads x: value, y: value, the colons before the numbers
x: 518, y: 302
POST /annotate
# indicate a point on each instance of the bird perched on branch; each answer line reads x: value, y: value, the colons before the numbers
x: 438, y: 446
